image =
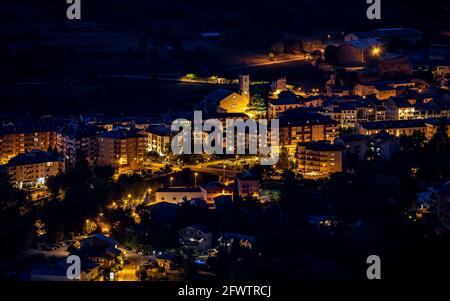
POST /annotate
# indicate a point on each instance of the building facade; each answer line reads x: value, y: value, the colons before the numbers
x: 15, y: 141
x: 319, y: 159
x: 31, y: 170
x: 123, y: 149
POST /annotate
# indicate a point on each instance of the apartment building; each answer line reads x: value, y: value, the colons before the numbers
x: 299, y: 126
x: 76, y: 140
x: 18, y: 140
x: 319, y: 159
x: 32, y: 169
x: 159, y: 138
x: 123, y: 149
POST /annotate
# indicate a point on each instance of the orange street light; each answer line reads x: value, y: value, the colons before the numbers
x: 376, y: 51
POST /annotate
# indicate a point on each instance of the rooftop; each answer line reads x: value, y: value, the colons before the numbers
x: 300, y: 117
x: 178, y: 189
x: 33, y: 157
x: 392, y: 124
x: 159, y: 130
x: 122, y: 134
x: 321, y: 146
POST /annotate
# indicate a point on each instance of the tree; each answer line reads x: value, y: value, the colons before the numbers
x: 16, y: 226
x: 415, y: 142
x: 284, y: 161
x: 257, y: 106
x: 294, y: 46
x: 440, y: 141
x: 277, y: 48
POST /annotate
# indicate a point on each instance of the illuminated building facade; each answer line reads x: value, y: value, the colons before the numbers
x: 319, y: 159
x: 32, y: 169
x: 123, y: 149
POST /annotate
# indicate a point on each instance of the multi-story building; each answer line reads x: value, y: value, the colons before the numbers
x: 364, y: 89
x: 299, y: 126
x: 123, y: 149
x: 18, y: 140
x: 355, y: 146
x: 429, y: 109
x: 370, y: 111
x: 159, y: 139
x: 432, y: 125
x: 392, y: 127
x: 32, y: 169
x: 383, y: 92
x: 399, y: 108
x: 319, y: 159
x: 383, y: 146
x: 345, y: 114
x: 286, y: 100
x: 76, y: 140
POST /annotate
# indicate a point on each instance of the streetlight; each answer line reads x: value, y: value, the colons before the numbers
x: 376, y: 51
x: 195, y: 179
x: 223, y: 176
x: 171, y: 181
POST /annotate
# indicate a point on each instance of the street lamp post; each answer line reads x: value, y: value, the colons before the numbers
x: 195, y: 179
x: 171, y: 181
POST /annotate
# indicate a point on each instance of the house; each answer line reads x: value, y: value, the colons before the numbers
x: 286, y: 100
x: 177, y: 195
x: 98, y: 248
x: 383, y: 91
x: 214, y: 189
x: 408, y: 35
x: 435, y: 200
x: 394, y: 65
x: 195, y: 237
x: 49, y: 270
x: 364, y: 89
x: 247, y: 185
x: 358, y: 52
x: 163, y: 212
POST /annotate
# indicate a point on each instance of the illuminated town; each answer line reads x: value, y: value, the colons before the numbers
x: 87, y: 166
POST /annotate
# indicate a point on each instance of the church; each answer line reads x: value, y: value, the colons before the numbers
x: 227, y: 101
